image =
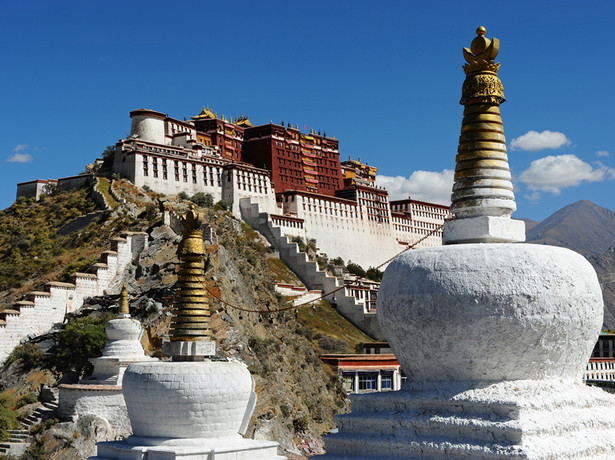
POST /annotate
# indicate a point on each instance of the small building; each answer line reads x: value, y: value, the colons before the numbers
x: 600, y: 370
x: 366, y: 372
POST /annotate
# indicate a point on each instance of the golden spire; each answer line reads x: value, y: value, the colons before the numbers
x: 191, y: 313
x: 124, y: 309
x: 482, y: 176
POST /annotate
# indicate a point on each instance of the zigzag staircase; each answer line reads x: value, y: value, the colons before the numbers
x: 309, y: 272
x: 43, y: 309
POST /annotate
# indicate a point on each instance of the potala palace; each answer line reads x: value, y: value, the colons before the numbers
x: 297, y: 179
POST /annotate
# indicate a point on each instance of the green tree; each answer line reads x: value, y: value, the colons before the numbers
x: 80, y: 340
x: 355, y: 269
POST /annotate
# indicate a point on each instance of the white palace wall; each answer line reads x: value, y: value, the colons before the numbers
x: 43, y: 309
x: 341, y: 229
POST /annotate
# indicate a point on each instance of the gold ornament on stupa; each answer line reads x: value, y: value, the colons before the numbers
x: 191, y: 312
x: 482, y: 176
x: 124, y: 309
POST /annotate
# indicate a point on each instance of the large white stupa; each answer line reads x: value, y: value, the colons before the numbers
x: 195, y: 406
x: 492, y: 336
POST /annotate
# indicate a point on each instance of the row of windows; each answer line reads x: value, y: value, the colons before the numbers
x: 210, y: 174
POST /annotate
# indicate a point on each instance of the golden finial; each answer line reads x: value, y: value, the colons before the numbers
x: 191, y: 313
x: 482, y: 53
x: 124, y: 309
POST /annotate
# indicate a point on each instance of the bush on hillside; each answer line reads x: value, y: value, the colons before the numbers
x: 81, y: 339
x: 28, y: 355
x: 221, y: 206
x: 355, y: 269
x: 373, y: 274
x: 202, y: 199
x: 8, y: 418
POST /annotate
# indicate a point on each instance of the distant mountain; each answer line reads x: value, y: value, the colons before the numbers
x: 589, y: 230
x: 605, y: 268
x: 582, y: 226
x: 529, y: 224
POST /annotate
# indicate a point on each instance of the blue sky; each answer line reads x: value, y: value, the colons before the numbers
x: 383, y: 77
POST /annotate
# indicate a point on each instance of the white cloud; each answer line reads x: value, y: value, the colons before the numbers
x: 602, y: 153
x: 20, y: 158
x: 534, y: 141
x: 553, y: 173
x: 430, y: 186
x: 21, y: 147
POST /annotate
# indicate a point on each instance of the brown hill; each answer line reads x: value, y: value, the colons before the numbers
x: 583, y: 227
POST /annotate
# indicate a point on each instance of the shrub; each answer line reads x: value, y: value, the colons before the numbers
x: 81, y: 339
x: 332, y: 344
x: 202, y: 199
x: 373, y: 274
x: 300, y: 424
x: 338, y: 261
x: 355, y: 269
x: 221, y: 206
x: 29, y: 355
x: 8, y: 418
x: 24, y: 400
x: 182, y: 196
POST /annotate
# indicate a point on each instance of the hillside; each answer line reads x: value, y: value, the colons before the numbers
x: 297, y: 395
x: 582, y: 226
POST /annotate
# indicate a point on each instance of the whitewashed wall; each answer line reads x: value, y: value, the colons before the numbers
x: 45, y: 308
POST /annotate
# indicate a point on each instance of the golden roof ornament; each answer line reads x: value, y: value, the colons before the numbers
x: 205, y: 113
x: 481, y: 70
x: 124, y: 311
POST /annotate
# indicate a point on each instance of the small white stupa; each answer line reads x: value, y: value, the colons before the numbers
x: 101, y: 393
x: 195, y: 406
x: 492, y: 336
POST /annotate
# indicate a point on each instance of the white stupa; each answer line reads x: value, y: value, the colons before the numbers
x: 196, y: 406
x: 492, y: 336
x: 101, y: 393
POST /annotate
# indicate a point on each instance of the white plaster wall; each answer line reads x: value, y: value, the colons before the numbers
x: 340, y: 231
x: 103, y: 278
x: 50, y: 307
x: 85, y: 286
x: 207, y: 176
x: 148, y: 128
x: 239, y: 183
x: 75, y: 401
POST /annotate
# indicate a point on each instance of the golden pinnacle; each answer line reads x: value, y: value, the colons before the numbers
x: 192, y: 312
x: 124, y: 309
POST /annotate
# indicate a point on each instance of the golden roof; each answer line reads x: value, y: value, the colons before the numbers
x: 205, y: 113
x: 243, y: 121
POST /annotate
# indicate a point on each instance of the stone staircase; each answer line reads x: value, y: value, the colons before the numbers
x: 42, y: 309
x: 21, y: 438
x: 309, y: 272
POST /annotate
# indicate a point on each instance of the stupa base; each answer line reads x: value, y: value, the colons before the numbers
x: 232, y: 447
x: 538, y: 420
